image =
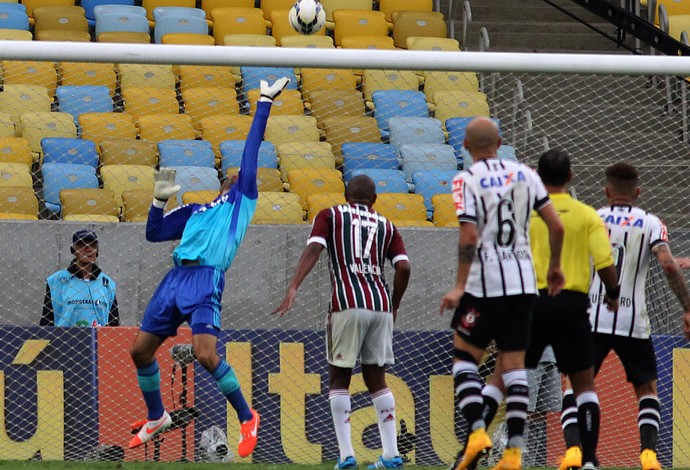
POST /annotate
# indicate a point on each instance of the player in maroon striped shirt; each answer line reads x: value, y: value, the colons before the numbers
x: 360, y: 323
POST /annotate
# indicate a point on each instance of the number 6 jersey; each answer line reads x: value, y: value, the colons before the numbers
x: 498, y: 196
x: 633, y: 233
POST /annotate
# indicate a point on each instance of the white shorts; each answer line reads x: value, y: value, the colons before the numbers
x: 359, y: 333
x: 544, y: 388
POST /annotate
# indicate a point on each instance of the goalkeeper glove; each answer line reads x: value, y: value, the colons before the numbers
x: 269, y: 93
x: 164, y: 186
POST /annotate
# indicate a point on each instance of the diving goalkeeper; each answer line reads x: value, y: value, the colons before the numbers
x: 209, y: 236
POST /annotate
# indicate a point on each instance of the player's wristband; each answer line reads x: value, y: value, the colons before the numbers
x: 159, y: 203
x: 614, y: 293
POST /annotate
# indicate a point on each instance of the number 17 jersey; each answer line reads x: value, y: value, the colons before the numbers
x: 499, y: 196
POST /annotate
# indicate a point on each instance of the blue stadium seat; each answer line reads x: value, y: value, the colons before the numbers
x: 196, y: 178
x: 252, y: 76
x: 505, y: 152
x: 59, y: 176
x: 174, y: 152
x: 4, y: 6
x: 397, y: 103
x: 456, y: 132
x: 177, y: 23
x: 367, y: 155
x: 13, y: 17
x: 415, y: 130
x: 117, y: 8
x: 89, y: 7
x: 120, y: 22
x: 160, y: 12
x: 387, y: 181
x: 428, y: 183
x: 420, y: 157
x: 68, y: 150
x: 231, y: 152
x: 77, y: 100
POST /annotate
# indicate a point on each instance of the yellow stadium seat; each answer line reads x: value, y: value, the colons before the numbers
x: 327, y: 80
x: 237, y: 20
x: 191, y: 39
x: 137, y: 202
x: 119, y: 178
x: 335, y: 103
x: 288, y: 103
x: 217, y: 129
x: 88, y: 73
x: 306, y: 181
x: 320, y: 201
x: 438, y: 82
x: 350, y: 129
x: 422, y: 43
x: 15, y: 150
x: 297, y: 155
x: 30, y: 73
x: 88, y: 201
x: 459, y: 103
x: 444, y: 210
x: 31, y: 5
x: 278, y: 208
x: 6, y: 125
x: 285, y: 129
x: 146, y: 76
x: 107, y: 126
x: 15, y: 35
x: 157, y: 127
x: 61, y: 24
x: 367, y: 42
x: 332, y: 5
x: 270, y: 6
x: 18, y: 200
x: 374, y: 80
x: 128, y: 152
x: 209, y: 5
x: 267, y: 179
x: 250, y: 40
x: 401, y: 207
x: 91, y: 218
x: 206, y: 102
x: 412, y: 223
x: 18, y: 99
x: 203, y: 196
x: 129, y: 37
x: 673, y: 8
x: 151, y: 5
x: 415, y: 24
x: 15, y: 174
x: 204, y: 76
x: 39, y: 125
x: 310, y: 42
x: 15, y: 216
x: 389, y: 6
x: 140, y: 101
x: 358, y: 23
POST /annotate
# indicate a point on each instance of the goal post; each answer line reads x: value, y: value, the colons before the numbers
x: 82, y: 127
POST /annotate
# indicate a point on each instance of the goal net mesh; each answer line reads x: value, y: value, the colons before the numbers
x: 79, y: 143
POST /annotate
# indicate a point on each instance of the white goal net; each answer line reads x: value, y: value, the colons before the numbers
x: 83, y: 127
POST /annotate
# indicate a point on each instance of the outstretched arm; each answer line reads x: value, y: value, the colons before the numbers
x: 676, y: 281
x: 159, y: 227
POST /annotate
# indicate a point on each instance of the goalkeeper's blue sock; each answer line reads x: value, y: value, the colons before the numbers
x: 230, y: 386
x: 150, y: 383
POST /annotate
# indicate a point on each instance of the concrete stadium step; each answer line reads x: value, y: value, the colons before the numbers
x: 649, y: 175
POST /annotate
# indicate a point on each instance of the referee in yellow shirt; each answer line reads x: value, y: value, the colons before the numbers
x: 562, y: 321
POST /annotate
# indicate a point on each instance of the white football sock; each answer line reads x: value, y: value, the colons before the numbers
x: 340, y: 412
x: 384, y: 402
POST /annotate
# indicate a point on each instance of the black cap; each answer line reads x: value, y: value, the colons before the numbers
x: 84, y: 236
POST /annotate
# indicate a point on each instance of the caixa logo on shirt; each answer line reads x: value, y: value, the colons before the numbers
x: 624, y: 221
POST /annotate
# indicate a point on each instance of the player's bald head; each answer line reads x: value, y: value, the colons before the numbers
x: 481, y: 137
x: 361, y: 189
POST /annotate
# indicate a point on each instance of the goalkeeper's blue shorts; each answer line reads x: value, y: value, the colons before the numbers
x: 189, y: 294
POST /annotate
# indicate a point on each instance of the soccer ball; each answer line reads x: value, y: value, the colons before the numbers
x: 307, y: 16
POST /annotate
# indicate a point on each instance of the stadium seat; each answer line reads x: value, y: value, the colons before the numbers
x: 59, y: 35
x: 209, y: 5
x: 137, y: 202
x: 231, y: 152
x: 59, y: 176
x: 82, y: 204
x: 106, y: 126
x: 435, y: 82
x: 20, y: 200
x: 332, y: 103
x: 237, y: 20
x: 141, y: 101
x: 389, y: 6
x: 309, y: 42
x: 320, y: 201
x: 358, y: 23
x: 421, y: 43
x: 398, y: 103
x: 286, y: 129
x: 402, y: 209
x: 119, y: 178
x: 77, y: 100
x: 415, y: 24
x: 122, y: 27
x: 14, y: 19
x: 359, y: 155
x: 161, y: 11
x: 186, y: 153
x: 18, y: 99
x: 252, y: 76
x: 289, y: 103
x: 504, y: 152
x: 327, y: 80
x: 15, y: 34
x: 278, y: 208
x: 206, y: 76
x: 32, y: 5
x: 151, y: 5
x: 61, y: 23
x: 387, y: 181
x: 420, y: 157
x: 157, y: 127
x: 15, y: 150
x: 195, y: 178
x: 88, y: 73
x: 428, y: 183
x: 367, y: 42
x: 249, y: 40
x: 459, y: 103
x: 89, y: 7
x: 15, y: 174
x: 191, y: 39
x: 170, y: 23
x: 203, y: 196
x: 376, y: 80
x: 217, y: 129
x: 205, y: 102
x: 269, y: 6
x: 128, y: 152
x: 267, y: 179
x: 146, y: 76
x: 69, y: 150
x: 6, y: 125
x: 306, y: 181
x: 350, y: 129
x: 298, y: 155
x: 456, y: 128
x: 37, y: 126
x: 415, y: 130
x: 118, y: 8
x: 444, y: 211
x: 330, y: 6
x: 20, y: 72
